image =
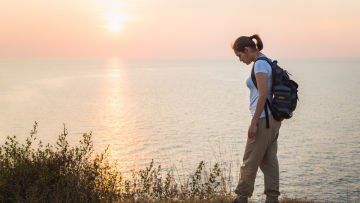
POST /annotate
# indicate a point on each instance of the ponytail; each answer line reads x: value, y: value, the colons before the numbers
x: 243, y: 41
x: 259, y: 44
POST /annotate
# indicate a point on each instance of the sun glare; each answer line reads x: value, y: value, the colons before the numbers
x: 113, y: 26
x: 114, y: 22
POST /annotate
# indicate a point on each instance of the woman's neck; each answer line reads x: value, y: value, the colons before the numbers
x: 256, y: 55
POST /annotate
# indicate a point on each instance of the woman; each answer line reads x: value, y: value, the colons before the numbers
x: 261, y: 145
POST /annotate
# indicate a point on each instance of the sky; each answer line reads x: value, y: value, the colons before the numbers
x: 177, y: 28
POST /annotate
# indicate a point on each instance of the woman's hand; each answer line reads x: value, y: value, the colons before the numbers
x: 252, y: 130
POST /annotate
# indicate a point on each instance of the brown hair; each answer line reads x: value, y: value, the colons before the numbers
x: 244, y: 41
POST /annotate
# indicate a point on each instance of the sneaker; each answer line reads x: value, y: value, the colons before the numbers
x: 270, y: 199
x: 240, y: 200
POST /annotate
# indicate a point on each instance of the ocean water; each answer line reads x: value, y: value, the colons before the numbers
x: 180, y: 112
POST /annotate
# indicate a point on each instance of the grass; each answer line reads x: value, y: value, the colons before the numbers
x: 32, y: 172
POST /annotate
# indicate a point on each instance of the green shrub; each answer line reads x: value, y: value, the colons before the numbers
x: 62, y: 173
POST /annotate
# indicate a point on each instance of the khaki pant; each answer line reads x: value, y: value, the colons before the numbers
x: 261, y: 152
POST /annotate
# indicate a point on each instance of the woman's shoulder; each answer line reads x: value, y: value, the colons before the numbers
x: 262, y: 66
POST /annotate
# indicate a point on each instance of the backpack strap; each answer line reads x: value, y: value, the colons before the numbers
x: 253, y: 78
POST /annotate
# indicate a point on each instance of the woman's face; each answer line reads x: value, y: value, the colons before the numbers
x: 244, y: 56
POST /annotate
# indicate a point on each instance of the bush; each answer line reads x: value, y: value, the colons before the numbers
x: 62, y: 173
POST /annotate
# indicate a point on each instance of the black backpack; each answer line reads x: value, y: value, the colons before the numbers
x: 283, y: 92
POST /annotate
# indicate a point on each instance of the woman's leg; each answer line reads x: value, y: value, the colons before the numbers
x: 253, y: 156
x: 270, y: 165
x: 270, y: 168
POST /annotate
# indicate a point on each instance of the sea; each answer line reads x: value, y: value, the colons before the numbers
x: 181, y: 112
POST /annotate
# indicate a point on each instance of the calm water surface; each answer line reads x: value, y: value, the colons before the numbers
x: 181, y: 112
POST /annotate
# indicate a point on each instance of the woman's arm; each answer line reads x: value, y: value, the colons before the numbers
x: 262, y: 83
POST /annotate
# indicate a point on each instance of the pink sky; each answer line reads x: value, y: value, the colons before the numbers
x: 177, y: 28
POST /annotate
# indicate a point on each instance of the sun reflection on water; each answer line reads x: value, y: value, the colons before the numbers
x: 116, y: 116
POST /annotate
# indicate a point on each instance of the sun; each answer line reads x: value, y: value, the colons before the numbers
x: 114, y: 22
x: 113, y: 26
